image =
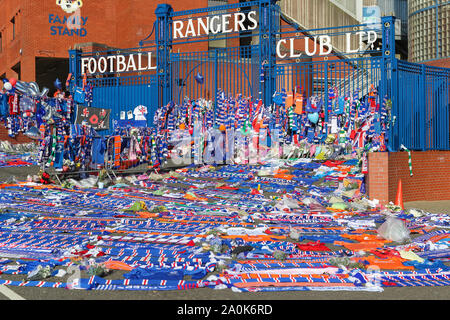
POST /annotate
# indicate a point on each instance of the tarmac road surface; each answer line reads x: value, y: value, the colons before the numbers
x: 405, y: 293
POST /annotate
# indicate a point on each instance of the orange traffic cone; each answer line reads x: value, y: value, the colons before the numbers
x: 399, y: 197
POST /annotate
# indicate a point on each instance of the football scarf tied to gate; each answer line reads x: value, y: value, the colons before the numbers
x: 356, y: 123
x: 67, y: 146
x: 131, y: 147
x: 21, y: 112
x: 242, y: 129
x: 75, y: 147
x: 361, y: 121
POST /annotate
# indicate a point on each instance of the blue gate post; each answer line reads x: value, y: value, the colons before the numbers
x: 389, y: 78
x: 268, y: 26
x: 74, y: 69
x: 423, y: 125
x: 163, y: 40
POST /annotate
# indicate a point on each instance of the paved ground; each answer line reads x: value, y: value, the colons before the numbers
x: 407, y: 293
x: 19, y: 173
x: 430, y: 206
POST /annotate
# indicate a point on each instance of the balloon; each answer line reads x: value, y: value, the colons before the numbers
x: 21, y: 87
x: 8, y: 86
x: 5, y: 80
x: 34, y: 89
x: 313, y: 117
x: 58, y: 84
x: 44, y: 92
x: 31, y: 89
x: 33, y: 133
x: 199, y: 78
x: 13, y: 81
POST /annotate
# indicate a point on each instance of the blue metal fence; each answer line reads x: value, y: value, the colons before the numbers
x: 422, y: 109
x: 189, y: 67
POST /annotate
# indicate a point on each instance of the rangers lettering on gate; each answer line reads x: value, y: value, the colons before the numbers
x: 214, y: 25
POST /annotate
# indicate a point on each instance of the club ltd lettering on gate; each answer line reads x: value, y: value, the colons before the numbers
x: 321, y: 45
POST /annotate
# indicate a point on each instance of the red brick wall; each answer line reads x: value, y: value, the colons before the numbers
x: 119, y: 24
x: 377, y: 181
x: 429, y: 181
x: 20, y: 139
x: 10, y: 53
x: 430, y: 175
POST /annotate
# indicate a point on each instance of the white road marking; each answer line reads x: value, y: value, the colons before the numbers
x: 11, y: 295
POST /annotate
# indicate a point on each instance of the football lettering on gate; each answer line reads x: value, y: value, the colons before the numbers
x: 118, y: 63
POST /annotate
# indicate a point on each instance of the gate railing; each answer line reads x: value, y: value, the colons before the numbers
x: 280, y: 55
x: 423, y: 107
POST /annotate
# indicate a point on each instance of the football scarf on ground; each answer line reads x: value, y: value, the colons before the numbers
x: 161, y: 246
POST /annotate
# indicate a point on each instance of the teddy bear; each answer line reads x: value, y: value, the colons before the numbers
x: 69, y: 6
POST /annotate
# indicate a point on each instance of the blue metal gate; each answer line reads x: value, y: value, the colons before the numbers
x: 423, y: 107
x: 118, y: 91
x: 275, y: 56
x: 201, y: 74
